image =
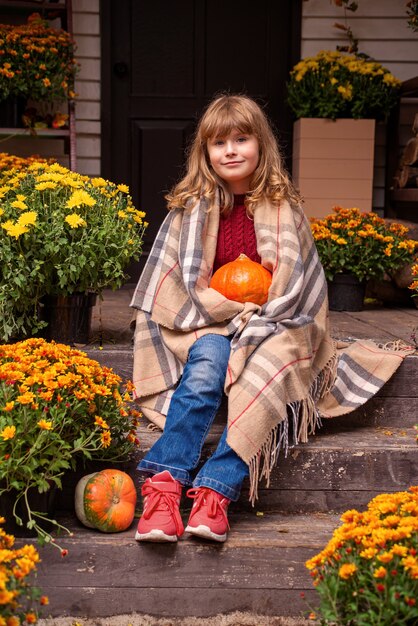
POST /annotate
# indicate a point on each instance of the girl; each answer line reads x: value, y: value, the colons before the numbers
x: 275, y: 362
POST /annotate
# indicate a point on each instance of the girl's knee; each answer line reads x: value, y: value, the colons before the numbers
x: 213, y: 350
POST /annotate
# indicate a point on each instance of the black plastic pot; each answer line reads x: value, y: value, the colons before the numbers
x: 346, y: 293
x: 40, y: 502
x: 11, y: 112
x: 68, y: 317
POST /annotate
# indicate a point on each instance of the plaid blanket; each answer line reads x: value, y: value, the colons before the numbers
x: 285, y: 372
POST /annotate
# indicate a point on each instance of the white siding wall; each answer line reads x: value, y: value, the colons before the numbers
x: 86, y: 27
x: 383, y: 33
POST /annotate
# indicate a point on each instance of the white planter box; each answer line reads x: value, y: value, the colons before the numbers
x: 333, y: 163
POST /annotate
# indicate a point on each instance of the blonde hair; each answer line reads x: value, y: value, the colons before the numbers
x: 270, y: 180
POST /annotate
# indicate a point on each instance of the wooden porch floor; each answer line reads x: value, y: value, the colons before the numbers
x: 378, y: 323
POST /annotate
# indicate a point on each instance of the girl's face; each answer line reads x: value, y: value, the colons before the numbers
x: 234, y: 158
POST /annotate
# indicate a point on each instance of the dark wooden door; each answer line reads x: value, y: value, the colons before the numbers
x: 164, y: 60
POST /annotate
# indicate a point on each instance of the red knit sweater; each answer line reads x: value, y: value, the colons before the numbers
x: 236, y: 235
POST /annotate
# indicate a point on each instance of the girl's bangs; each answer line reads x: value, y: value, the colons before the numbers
x: 223, y: 123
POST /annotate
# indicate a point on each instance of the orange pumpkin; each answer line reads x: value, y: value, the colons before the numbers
x: 106, y: 500
x: 242, y: 280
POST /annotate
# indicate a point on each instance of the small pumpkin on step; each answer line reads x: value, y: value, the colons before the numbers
x: 242, y: 280
x: 106, y: 500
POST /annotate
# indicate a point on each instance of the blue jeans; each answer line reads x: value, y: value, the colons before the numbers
x: 192, y: 410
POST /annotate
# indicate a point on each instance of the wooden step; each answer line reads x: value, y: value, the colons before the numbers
x: 341, y: 467
x: 259, y: 569
x: 351, y: 459
x: 396, y: 404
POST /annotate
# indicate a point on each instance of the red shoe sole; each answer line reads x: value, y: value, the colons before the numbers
x: 205, y: 532
x: 156, y: 535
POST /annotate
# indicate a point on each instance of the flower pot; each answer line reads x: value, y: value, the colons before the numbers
x: 11, y: 112
x: 333, y: 163
x: 346, y: 293
x: 40, y: 502
x: 68, y: 317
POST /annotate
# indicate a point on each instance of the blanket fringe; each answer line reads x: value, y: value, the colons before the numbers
x: 325, y: 380
x: 398, y: 345
x: 302, y: 420
x: 153, y: 427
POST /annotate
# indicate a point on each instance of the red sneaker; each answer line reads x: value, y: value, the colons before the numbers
x: 160, y: 520
x: 208, y: 517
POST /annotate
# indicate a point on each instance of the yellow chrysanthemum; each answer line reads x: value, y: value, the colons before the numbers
x: 14, y: 230
x: 106, y: 439
x: 56, y: 167
x: 380, y: 572
x: 8, y: 406
x: 7, y: 597
x: 399, y: 550
x: 68, y: 181
x: 346, y: 92
x: 99, y: 421
x: 123, y: 188
x: 19, y: 204
x: 8, y: 432
x: 45, y: 425
x: 368, y: 553
x: 50, y: 177
x: 75, y: 220
x: 27, y: 219
x: 80, y: 198
x: 46, y: 185
x: 347, y: 570
x: 98, y: 182
x: 26, y: 398
x: 385, y: 557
